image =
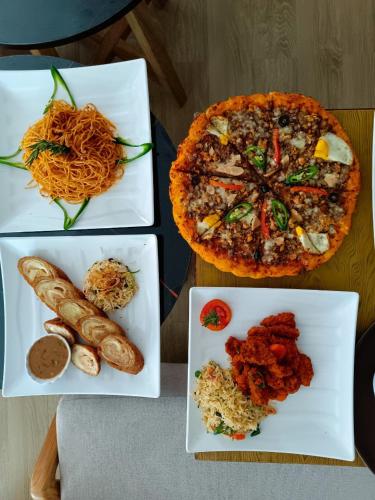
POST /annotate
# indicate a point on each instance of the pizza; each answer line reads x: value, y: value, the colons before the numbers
x: 265, y: 185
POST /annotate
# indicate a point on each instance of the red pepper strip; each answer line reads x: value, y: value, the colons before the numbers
x: 232, y: 187
x: 276, y: 146
x: 238, y: 436
x: 263, y: 223
x: 309, y: 189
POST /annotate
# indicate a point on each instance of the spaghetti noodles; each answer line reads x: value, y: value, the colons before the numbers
x: 84, y: 159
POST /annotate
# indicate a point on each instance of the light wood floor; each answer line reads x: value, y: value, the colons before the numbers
x: 324, y: 48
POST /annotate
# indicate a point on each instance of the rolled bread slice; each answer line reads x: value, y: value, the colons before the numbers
x: 72, y: 310
x: 121, y: 354
x: 55, y: 325
x: 93, y: 329
x: 53, y: 291
x: 34, y: 269
x: 86, y: 359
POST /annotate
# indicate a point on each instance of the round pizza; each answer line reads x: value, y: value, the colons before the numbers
x: 265, y: 185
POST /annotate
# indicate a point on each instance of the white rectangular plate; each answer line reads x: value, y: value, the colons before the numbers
x: 25, y: 314
x: 120, y: 92
x: 317, y: 420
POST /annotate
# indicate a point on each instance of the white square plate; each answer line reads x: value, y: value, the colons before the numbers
x: 25, y: 314
x: 120, y: 92
x: 317, y: 420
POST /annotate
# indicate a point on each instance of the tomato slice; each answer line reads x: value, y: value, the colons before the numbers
x: 215, y: 315
x: 238, y: 436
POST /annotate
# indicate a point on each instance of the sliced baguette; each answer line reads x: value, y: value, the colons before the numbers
x: 71, y: 311
x: 53, y: 291
x: 55, y: 325
x: 86, y: 359
x: 93, y: 329
x: 34, y: 269
x: 121, y: 354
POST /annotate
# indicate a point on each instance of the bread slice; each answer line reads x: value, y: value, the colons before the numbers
x: 121, y: 354
x: 93, y: 329
x: 53, y: 291
x: 55, y: 325
x: 34, y: 269
x: 71, y: 311
x: 86, y: 359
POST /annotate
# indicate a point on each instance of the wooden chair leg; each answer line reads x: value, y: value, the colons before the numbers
x: 44, y: 485
x: 120, y: 29
x: 155, y: 53
x: 50, y: 51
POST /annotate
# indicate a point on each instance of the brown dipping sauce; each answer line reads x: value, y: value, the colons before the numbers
x: 48, y: 357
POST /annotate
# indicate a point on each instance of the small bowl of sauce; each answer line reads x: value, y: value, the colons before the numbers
x: 48, y: 358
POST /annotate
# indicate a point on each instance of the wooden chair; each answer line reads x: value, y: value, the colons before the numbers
x: 112, y: 42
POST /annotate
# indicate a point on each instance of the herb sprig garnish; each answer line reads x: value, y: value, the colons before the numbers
x: 212, y: 318
x: 16, y: 164
x: 58, y: 80
x: 44, y: 145
x: 146, y: 147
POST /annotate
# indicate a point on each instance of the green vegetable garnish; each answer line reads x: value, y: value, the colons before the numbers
x: 302, y: 175
x: 280, y: 214
x: 146, y: 147
x: 70, y: 221
x: 16, y: 164
x: 58, y: 80
x: 256, y: 432
x: 212, y: 318
x: 198, y: 373
x: 43, y: 145
x: 257, y: 156
x: 238, y: 212
x: 224, y: 429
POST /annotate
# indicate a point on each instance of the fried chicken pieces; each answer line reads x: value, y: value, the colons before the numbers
x: 268, y: 365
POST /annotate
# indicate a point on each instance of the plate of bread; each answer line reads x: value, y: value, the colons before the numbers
x: 81, y: 315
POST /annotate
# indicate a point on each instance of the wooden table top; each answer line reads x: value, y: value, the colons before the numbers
x: 351, y: 269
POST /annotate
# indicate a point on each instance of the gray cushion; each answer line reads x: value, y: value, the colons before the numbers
x: 132, y: 448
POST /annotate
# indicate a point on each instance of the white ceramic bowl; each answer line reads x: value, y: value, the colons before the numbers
x: 49, y: 380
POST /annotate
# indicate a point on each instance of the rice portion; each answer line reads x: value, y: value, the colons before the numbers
x: 109, y: 285
x: 222, y: 404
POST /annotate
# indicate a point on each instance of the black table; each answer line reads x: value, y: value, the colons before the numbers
x: 174, y: 253
x: 32, y: 24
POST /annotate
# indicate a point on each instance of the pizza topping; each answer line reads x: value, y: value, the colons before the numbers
x: 333, y: 197
x: 226, y: 185
x: 238, y: 212
x: 283, y: 120
x: 280, y: 214
x: 263, y: 221
x: 299, y: 141
x: 215, y: 315
x: 315, y: 243
x: 219, y: 127
x: 276, y: 146
x: 309, y: 189
x: 332, y: 147
x: 209, y: 222
x: 331, y: 179
x: 229, y: 166
x: 257, y: 156
x: 302, y: 175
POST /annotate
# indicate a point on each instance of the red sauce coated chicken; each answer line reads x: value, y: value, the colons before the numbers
x: 268, y: 365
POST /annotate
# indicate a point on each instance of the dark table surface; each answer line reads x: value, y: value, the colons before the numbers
x: 48, y: 23
x: 174, y: 253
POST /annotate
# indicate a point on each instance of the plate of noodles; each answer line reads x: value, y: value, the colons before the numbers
x: 271, y: 370
x: 75, y: 148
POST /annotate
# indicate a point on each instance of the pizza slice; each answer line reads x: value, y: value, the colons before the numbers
x: 228, y: 139
x: 321, y: 219
x: 309, y: 146
x: 200, y: 202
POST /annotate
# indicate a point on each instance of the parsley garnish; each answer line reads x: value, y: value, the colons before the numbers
x: 212, y: 318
